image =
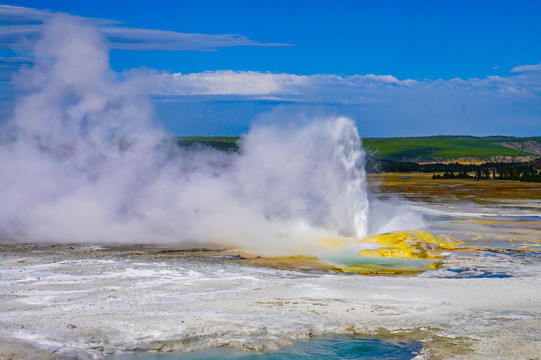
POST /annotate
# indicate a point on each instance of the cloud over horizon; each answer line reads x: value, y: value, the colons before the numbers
x: 382, y: 104
x: 341, y: 89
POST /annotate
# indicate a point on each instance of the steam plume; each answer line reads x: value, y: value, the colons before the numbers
x: 83, y: 162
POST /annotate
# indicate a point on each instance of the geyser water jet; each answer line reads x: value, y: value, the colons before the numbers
x: 312, y: 174
x: 83, y: 161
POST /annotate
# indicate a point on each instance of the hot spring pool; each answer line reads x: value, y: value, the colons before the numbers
x: 339, y: 347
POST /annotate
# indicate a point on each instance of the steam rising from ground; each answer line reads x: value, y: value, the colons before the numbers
x: 82, y: 161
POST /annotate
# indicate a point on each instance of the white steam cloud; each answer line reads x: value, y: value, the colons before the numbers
x: 83, y: 162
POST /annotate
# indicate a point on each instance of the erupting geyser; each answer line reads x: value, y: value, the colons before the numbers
x: 84, y: 162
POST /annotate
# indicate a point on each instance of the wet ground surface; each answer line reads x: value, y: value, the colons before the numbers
x: 482, y: 213
x: 92, y: 303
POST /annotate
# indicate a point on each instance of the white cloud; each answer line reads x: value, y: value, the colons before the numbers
x: 125, y: 38
x: 20, y: 24
x: 327, y: 88
x: 227, y: 82
x: 23, y: 15
x: 526, y: 68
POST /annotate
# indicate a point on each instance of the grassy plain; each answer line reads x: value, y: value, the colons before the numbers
x: 445, y: 147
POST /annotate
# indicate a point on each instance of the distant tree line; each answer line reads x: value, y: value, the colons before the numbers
x: 526, y: 176
x: 521, y: 171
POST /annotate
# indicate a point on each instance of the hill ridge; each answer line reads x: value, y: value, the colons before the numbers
x: 422, y: 149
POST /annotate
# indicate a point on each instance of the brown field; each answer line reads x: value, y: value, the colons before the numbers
x: 418, y: 186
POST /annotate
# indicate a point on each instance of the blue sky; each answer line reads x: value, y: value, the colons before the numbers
x: 399, y: 68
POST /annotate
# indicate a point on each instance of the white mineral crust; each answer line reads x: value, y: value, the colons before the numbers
x: 91, y: 308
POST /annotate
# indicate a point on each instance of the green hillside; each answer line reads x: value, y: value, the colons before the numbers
x: 442, y: 148
x: 225, y: 143
x: 417, y: 149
